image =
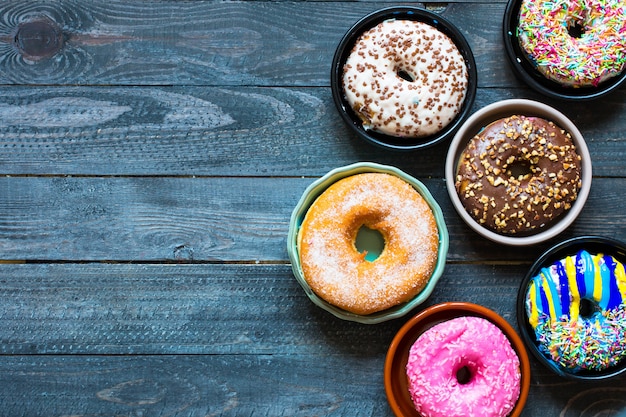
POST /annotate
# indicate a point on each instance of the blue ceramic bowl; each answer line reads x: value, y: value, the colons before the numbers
x: 317, y: 188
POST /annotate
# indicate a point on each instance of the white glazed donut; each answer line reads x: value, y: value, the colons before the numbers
x: 405, y: 78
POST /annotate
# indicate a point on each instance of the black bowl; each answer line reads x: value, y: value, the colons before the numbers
x: 344, y: 48
x: 525, y: 70
x: 592, y: 244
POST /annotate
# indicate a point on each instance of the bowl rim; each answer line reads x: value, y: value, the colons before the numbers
x: 405, y: 337
x: 558, y: 251
x: 343, y: 49
x: 534, y: 79
x: 506, y: 108
x: 308, y: 197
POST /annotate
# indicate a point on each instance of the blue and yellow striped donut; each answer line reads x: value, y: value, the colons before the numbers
x: 577, y: 341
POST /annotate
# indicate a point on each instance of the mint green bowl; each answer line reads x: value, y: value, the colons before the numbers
x: 318, y: 187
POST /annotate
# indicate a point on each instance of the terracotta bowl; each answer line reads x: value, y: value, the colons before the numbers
x: 396, y: 385
x: 317, y: 188
x: 496, y: 111
x: 525, y: 71
x: 594, y: 245
x: 344, y: 48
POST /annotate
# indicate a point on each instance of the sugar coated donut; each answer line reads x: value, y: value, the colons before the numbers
x: 574, y: 42
x: 463, y: 367
x: 577, y: 308
x: 333, y: 267
x: 518, y: 175
x: 405, y: 78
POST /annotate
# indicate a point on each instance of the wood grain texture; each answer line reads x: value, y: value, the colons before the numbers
x: 211, y: 309
x: 272, y: 385
x: 214, y: 43
x: 151, y: 153
x: 201, y: 340
x: 248, y: 131
x: 206, y: 385
x: 213, y: 219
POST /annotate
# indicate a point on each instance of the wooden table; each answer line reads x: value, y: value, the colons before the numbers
x: 151, y: 154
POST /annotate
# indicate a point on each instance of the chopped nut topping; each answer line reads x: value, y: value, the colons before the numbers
x: 511, y: 202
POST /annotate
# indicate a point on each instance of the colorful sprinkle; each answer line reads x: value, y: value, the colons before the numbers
x: 584, y: 344
x: 592, y: 340
x: 598, y: 54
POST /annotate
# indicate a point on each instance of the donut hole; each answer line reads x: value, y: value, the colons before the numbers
x: 464, y: 375
x: 575, y: 29
x: 519, y: 169
x: 370, y: 242
x: 588, y: 308
x: 405, y: 75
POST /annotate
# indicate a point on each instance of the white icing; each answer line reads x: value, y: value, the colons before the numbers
x: 390, y: 104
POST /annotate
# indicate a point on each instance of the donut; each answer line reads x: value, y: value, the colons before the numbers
x: 518, y: 175
x: 346, y: 278
x: 576, y: 43
x: 405, y: 79
x: 577, y: 308
x: 461, y: 367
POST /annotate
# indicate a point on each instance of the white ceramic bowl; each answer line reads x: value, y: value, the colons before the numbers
x: 496, y: 111
x: 317, y: 188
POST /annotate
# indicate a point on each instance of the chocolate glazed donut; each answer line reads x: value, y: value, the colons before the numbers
x: 518, y: 175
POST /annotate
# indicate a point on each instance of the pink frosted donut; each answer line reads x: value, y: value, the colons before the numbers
x: 463, y: 367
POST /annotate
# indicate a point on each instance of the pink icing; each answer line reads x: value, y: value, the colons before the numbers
x: 472, y: 343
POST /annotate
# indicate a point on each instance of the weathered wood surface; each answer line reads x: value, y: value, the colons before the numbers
x: 205, y: 385
x: 151, y: 154
x: 232, y: 131
x: 211, y: 43
x: 120, y: 339
x: 213, y: 219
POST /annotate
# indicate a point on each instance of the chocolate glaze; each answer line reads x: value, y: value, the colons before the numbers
x: 518, y: 175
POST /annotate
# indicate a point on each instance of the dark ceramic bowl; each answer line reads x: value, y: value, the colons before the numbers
x: 396, y: 385
x: 344, y: 48
x: 594, y: 245
x: 524, y: 69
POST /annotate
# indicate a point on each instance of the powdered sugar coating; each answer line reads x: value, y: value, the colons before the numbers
x: 471, y: 342
x: 332, y: 265
x: 387, y: 102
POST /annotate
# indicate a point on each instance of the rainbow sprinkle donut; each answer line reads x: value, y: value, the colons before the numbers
x: 574, y: 42
x: 577, y: 307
